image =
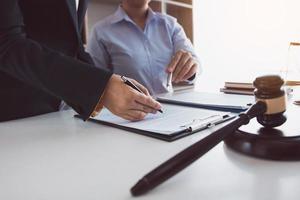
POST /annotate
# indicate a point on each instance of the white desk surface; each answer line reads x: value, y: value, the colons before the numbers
x: 58, y: 157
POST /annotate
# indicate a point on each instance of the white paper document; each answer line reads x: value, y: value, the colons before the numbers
x: 173, y: 119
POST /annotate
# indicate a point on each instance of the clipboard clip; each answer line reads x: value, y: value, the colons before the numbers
x: 207, y: 122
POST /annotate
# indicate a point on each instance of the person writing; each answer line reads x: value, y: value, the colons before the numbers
x: 144, y: 45
x: 43, y: 63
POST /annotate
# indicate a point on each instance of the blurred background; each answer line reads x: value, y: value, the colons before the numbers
x: 235, y: 37
x: 236, y: 40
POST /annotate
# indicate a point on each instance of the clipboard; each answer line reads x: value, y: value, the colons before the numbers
x: 216, y: 101
x: 176, y: 122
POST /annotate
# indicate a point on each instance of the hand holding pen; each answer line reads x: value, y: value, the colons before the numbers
x: 138, y: 87
x: 126, y: 102
x: 182, y: 67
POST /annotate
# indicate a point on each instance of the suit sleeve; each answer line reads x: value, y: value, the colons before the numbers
x: 75, y: 82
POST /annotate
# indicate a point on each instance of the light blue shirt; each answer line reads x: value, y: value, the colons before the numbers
x: 120, y: 45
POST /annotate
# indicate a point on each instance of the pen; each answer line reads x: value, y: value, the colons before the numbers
x: 169, y: 80
x: 131, y: 84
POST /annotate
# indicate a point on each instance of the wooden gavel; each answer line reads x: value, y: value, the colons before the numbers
x: 269, y: 110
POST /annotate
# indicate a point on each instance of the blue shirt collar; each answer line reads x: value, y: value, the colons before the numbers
x: 120, y: 15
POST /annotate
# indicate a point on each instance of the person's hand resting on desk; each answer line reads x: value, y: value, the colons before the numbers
x: 126, y: 102
x: 182, y: 66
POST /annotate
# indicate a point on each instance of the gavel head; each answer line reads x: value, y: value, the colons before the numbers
x: 268, y: 89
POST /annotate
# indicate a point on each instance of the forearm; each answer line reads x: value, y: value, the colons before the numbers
x: 66, y: 78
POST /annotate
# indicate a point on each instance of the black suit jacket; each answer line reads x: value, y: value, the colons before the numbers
x: 42, y: 59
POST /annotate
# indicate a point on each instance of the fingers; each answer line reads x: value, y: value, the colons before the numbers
x: 141, y: 105
x: 184, y: 70
x: 174, y: 62
x: 128, y: 117
x: 126, y: 102
x: 144, y: 108
x: 144, y: 89
x: 183, y: 66
x: 136, y: 115
x: 147, y: 101
x: 138, y: 112
x: 184, y: 62
x: 192, y: 71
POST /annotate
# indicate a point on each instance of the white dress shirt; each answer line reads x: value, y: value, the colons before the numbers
x: 77, y: 3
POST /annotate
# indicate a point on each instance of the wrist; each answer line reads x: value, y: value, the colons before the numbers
x: 101, y: 102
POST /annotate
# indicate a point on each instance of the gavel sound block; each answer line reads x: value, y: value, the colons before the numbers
x: 261, y: 139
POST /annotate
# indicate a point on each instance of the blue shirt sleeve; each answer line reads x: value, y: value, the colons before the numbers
x: 181, y: 42
x: 98, y: 51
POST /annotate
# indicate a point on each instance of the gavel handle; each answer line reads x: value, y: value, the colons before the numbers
x: 186, y: 157
x: 192, y: 153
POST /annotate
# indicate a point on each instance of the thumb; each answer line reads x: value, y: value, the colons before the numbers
x: 171, y: 67
x: 175, y: 59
